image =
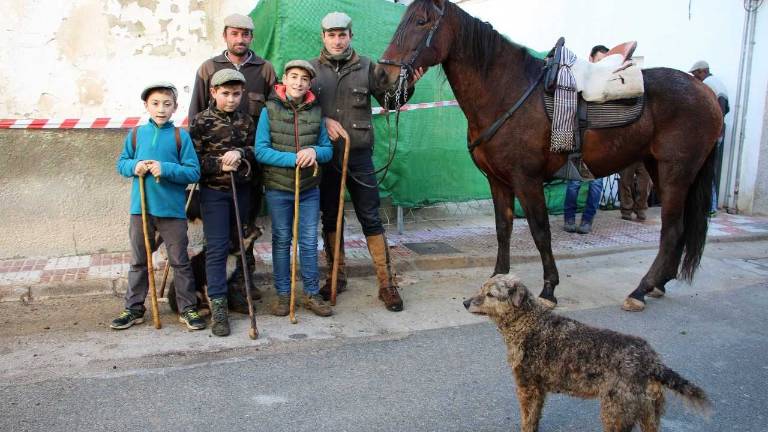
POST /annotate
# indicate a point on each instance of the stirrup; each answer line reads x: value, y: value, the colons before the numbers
x: 575, y: 169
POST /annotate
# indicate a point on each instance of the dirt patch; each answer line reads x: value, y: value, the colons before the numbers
x: 64, y: 315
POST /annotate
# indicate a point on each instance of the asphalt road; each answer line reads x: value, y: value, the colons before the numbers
x: 451, y: 379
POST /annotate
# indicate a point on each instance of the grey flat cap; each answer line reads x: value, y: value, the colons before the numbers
x: 336, y: 20
x: 701, y: 64
x: 303, y: 64
x: 238, y: 21
x: 158, y: 85
x: 226, y: 75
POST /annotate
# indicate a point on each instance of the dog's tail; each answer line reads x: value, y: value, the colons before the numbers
x: 692, y: 394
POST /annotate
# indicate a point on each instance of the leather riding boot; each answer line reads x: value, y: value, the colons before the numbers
x: 329, y: 239
x: 377, y: 246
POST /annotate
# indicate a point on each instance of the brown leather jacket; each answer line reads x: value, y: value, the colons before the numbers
x: 344, y: 91
x: 259, y: 76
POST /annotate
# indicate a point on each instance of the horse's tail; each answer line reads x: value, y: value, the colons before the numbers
x: 696, y: 218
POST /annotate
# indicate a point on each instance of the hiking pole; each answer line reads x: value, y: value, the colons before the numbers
x: 294, y: 242
x: 339, y: 219
x: 150, y: 266
x: 253, y: 333
x: 167, y: 264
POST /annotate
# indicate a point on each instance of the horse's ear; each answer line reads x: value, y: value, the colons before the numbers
x: 439, y: 4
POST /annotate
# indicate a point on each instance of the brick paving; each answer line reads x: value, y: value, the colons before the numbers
x: 473, y: 238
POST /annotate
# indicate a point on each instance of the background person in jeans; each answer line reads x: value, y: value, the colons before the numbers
x: 292, y: 133
x: 595, y: 186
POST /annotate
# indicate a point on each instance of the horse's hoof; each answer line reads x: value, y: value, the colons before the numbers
x: 547, y: 303
x: 656, y: 293
x: 633, y: 305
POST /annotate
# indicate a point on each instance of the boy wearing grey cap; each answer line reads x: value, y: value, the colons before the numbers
x: 291, y: 133
x: 166, y: 152
x: 223, y: 137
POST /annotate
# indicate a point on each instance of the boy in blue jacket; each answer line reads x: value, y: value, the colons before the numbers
x: 166, y: 152
x: 291, y: 133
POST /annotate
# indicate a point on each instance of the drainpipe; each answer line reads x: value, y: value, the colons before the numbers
x: 742, y: 104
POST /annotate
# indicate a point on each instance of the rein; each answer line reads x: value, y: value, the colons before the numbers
x: 489, y: 132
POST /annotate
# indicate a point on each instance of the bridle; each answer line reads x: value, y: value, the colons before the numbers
x: 425, y: 43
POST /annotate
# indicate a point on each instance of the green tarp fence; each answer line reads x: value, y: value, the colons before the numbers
x: 431, y: 164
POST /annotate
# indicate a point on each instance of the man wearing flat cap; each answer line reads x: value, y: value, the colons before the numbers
x: 344, y: 84
x: 700, y: 70
x: 259, y: 73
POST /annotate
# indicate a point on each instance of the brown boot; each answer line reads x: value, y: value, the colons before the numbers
x: 341, y: 279
x: 377, y: 246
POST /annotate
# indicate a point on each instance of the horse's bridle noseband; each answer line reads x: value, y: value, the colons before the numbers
x: 425, y: 43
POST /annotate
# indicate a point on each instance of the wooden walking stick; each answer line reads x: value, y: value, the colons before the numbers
x: 150, y: 267
x: 339, y: 219
x: 253, y: 333
x: 167, y: 264
x: 294, y: 242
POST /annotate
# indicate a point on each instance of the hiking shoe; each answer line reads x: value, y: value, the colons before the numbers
x: 191, y: 317
x: 712, y: 213
x: 585, y: 228
x: 127, y: 318
x: 282, y: 305
x: 569, y: 226
x: 641, y: 217
x: 627, y: 216
x: 219, y: 317
x: 316, y: 304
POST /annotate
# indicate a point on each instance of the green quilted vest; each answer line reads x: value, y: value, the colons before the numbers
x: 284, y: 122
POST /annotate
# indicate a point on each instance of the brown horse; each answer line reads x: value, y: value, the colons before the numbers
x: 674, y: 137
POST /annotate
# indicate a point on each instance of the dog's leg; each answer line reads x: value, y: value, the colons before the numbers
x: 615, y: 415
x: 650, y: 418
x: 531, y: 400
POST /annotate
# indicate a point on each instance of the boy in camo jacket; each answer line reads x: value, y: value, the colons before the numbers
x: 223, y: 139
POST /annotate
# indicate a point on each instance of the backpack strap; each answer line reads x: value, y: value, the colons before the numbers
x: 133, y: 139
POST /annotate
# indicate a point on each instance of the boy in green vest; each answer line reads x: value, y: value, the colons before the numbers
x: 291, y: 132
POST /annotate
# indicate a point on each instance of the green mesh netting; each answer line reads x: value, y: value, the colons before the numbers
x: 432, y: 164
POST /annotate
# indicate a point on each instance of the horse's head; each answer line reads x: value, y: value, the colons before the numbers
x: 422, y: 39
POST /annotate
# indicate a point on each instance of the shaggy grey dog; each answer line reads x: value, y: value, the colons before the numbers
x: 549, y: 353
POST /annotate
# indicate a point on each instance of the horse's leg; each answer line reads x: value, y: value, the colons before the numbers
x: 664, y: 267
x: 531, y: 196
x: 503, y: 209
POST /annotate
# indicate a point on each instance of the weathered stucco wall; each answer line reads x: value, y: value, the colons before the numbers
x: 88, y: 58
x: 761, y: 187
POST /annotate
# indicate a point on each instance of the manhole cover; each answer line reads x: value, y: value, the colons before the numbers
x: 431, y: 248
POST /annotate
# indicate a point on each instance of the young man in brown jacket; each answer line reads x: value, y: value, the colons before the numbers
x: 344, y: 85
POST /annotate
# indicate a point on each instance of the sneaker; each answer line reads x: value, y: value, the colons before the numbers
x: 127, y: 318
x: 316, y: 304
x: 627, y: 216
x: 569, y: 226
x: 220, y: 317
x: 712, y: 213
x: 585, y: 228
x: 282, y: 305
x: 191, y: 317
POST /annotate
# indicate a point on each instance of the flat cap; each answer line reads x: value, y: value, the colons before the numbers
x: 238, y: 21
x: 336, y: 20
x: 158, y: 85
x: 226, y: 75
x: 701, y: 64
x: 303, y: 64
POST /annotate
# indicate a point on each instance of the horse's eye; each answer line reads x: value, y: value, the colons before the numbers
x: 421, y: 22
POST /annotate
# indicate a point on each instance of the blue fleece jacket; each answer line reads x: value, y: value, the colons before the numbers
x: 178, y: 168
x: 267, y: 155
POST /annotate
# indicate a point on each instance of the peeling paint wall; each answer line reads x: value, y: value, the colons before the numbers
x: 88, y: 58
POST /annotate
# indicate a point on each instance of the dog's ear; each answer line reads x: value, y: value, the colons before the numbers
x: 517, y: 294
x: 498, y: 290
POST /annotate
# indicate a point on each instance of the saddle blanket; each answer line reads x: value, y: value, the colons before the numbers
x: 614, y: 113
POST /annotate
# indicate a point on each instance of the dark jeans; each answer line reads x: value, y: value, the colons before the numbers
x: 174, y: 233
x: 365, y: 197
x: 218, y: 212
x: 281, y: 211
x: 593, y: 200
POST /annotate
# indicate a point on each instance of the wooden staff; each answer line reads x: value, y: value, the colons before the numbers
x: 339, y: 219
x: 253, y: 333
x: 150, y: 267
x: 295, y: 242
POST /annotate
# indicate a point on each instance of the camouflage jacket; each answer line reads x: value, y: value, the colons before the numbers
x: 215, y: 132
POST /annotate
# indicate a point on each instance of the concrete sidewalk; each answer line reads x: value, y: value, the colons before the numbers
x: 424, y: 245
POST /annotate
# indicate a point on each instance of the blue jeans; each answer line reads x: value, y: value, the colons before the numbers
x: 281, y: 211
x: 590, y: 207
x: 218, y: 211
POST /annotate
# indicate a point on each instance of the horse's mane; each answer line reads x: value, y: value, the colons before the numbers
x: 479, y: 41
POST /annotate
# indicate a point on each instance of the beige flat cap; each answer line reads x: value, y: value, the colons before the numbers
x: 238, y: 21
x: 303, y: 64
x: 336, y: 20
x: 701, y: 64
x: 158, y: 85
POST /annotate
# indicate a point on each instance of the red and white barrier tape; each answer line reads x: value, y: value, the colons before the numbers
x: 129, y: 122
